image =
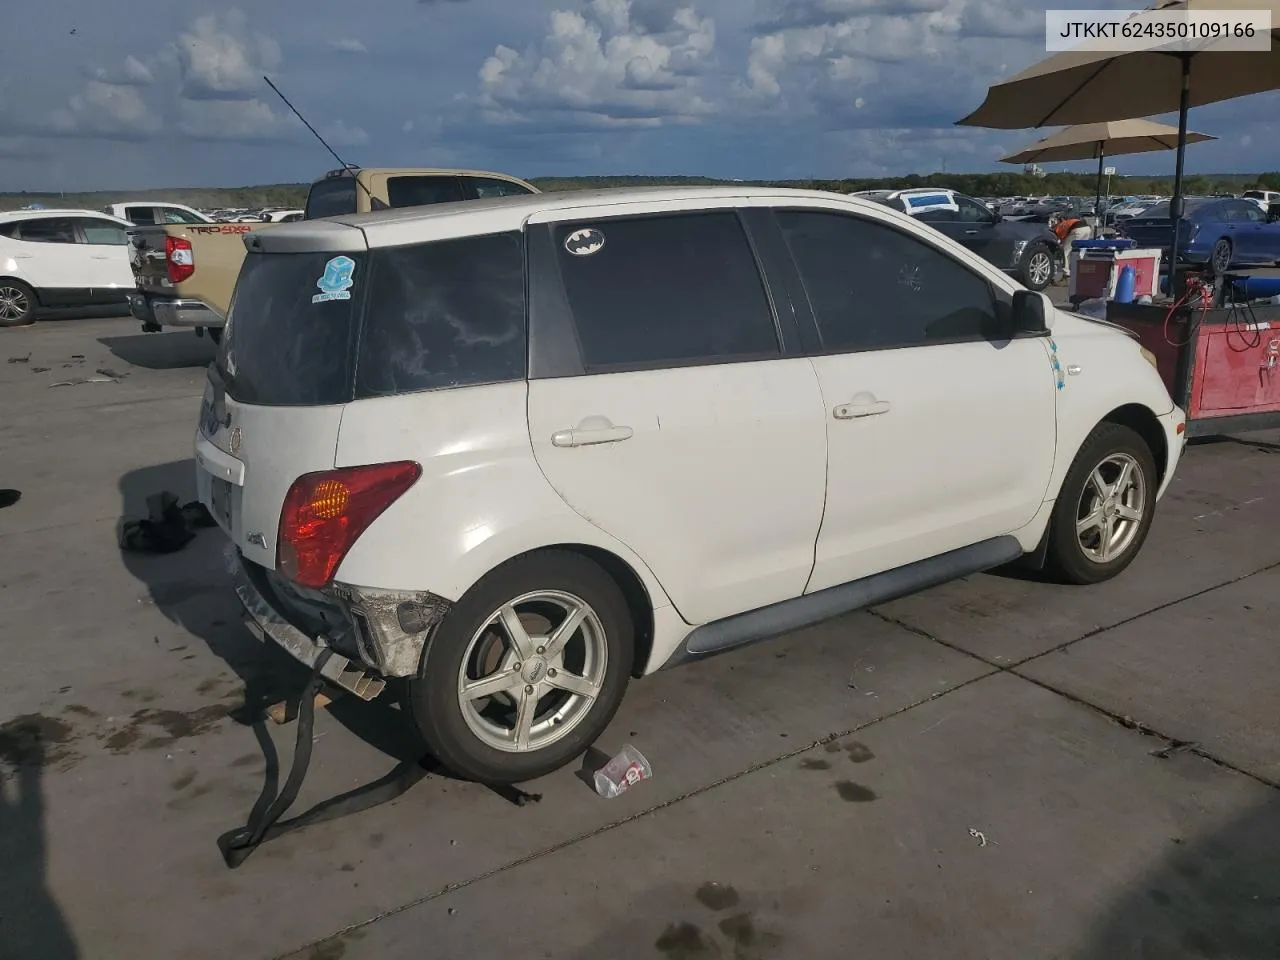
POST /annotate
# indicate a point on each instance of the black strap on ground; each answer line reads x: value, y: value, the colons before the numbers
x: 265, y: 824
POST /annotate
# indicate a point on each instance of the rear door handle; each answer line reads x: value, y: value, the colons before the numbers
x: 863, y: 405
x: 591, y: 431
x: 970, y: 233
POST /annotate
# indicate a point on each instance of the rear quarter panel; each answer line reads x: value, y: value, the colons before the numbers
x: 481, y: 500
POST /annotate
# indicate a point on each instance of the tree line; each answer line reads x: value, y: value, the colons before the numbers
x: 1002, y: 184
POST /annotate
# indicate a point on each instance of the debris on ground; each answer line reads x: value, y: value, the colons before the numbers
x: 77, y: 382
x: 624, y: 771
x: 20, y: 359
x: 167, y: 527
x: 9, y: 497
x: 108, y: 372
x: 39, y: 369
x: 978, y: 835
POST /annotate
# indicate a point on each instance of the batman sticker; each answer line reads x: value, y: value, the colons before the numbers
x: 584, y: 242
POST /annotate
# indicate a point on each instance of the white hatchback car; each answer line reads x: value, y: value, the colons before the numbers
x: 518, y: 451
x: 61, y: 258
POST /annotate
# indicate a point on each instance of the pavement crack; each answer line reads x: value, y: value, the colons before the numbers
x: 606, y: 828
x: 1172, y: 745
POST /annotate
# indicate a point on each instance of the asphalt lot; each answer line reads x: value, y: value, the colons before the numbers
x: 998, y: 768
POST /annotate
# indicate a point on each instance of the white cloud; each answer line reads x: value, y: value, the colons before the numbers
x: 106, y: 110
x: 221, y: 58
x: 604, y: 66
x: 131, y: 73
x: 349, y: 45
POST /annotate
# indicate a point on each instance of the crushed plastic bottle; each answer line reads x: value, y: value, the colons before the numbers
x: 621, y: 773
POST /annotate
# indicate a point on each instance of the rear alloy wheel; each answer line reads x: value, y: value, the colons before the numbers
x: 17, y: 304
x: 1105, y: 507
x: 526, y: 670
x: 1220, y: 258
x: 1037, y: 267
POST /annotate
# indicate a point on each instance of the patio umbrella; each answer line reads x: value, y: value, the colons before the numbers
x: 1112, y: 138
x: 1090, y: 85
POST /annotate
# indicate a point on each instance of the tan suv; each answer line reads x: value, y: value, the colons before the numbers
x: 185, y: 272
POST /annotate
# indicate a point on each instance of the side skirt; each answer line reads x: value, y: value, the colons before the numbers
x: 747, y: 628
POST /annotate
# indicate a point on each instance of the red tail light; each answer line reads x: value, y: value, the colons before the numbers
x: 180, y: 258
x: 325, y: 513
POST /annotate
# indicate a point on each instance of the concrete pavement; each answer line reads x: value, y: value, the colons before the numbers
x: 996, y: 768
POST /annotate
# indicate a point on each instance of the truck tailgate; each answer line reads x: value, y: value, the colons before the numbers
x: 216, y: 252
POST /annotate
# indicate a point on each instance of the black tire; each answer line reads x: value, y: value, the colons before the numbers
x: 1068, y: 558
x: 17, y: 303
x: 1037, y: 267
x: 1220, y: 257
x: 432, y: 700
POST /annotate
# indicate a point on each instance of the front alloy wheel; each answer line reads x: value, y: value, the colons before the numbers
x: 17, y: 304
x: 1111, y: 508
x: 1105, y: 507
x: 1038, y: 271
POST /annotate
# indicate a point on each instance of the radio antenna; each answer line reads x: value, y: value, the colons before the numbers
x: 373, y: 203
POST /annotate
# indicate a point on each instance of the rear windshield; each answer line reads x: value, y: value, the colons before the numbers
x: 420, y: 317
x: 332, y: 197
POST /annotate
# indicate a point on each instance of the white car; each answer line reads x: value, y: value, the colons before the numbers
x: 61, y: 258
x: 283, y: 216
x: 147, y: 213
x: 520, y: 451
x: 1264, y: 198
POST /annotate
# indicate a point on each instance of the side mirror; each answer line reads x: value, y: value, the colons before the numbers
x: 1029, y: 313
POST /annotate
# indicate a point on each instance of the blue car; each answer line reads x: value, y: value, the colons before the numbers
x: 1217, y: 233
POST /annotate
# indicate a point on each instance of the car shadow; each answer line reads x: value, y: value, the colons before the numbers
x: 31, y: 923
x: 1211, y: 896
x: 193, y: 588
x: 162, y: 351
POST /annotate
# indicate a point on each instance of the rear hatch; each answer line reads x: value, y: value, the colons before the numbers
x: 275, y: 396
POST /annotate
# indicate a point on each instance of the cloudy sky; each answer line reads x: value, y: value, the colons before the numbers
x: 135, y: 93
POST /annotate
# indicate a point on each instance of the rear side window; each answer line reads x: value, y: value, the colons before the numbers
x: 872, y: 287
x: 331, y: 197
x: 444, y: 314
x: 102, y: 232
x: 423, y: 191
x: 142, y: 216
x: 290, y: 334
x: 666, y: 290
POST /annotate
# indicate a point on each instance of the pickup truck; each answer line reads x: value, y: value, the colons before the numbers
x: 185, y: 273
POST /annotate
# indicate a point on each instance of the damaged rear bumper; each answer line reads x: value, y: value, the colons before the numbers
x: 372, y: 634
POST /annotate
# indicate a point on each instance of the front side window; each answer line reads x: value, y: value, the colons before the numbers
x: 488, y: 187
x: 665, y: 290
x: 174, y: 215
x: 49, y: 230
x: 971, y: 211
x: 444, y: 314
x: 422, y: 191
x: 102, y: 232
x: 872, y: 287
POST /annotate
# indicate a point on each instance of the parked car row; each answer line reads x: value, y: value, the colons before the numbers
x: 1030, y: 252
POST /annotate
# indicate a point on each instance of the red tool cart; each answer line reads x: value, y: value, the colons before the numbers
x: 1221, y: 364
x: 1096, y: 266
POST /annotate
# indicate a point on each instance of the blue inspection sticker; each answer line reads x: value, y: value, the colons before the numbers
x: 337, y: 280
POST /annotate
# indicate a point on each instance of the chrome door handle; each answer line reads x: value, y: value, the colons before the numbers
x: 586, y: 434
x: 970, y: 233
x: 861, y: 408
